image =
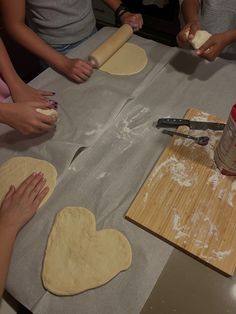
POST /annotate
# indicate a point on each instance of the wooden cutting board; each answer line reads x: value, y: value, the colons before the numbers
x: 186, y: 201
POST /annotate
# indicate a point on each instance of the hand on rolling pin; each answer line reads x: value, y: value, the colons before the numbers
x: 135, y: 20
x: 23, y: 117
x: 77, y: 69
x: 19, y: 205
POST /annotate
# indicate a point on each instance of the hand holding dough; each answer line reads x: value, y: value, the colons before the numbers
x: 199, y: 39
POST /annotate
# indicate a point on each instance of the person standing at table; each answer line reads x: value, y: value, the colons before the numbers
x: 56, y: 27
x: 22, y: 114
x: 17, y: 208
x: 218, y: 17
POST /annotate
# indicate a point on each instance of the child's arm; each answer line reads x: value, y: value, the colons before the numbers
x: 14, y: 18
x: 17, y: 208
x: 215, y: 44
x: 190, y: 12
x: 190, y: 9
x: 19, y: 90
x: 133, y: 19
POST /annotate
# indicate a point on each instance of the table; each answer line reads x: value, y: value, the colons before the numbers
x: 104, y: 147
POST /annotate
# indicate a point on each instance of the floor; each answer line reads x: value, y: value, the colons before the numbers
x: 8, y: 306
x: 186, y: 286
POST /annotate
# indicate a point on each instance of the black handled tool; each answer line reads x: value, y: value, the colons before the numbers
x: 194, y: 125
x: 200, y: 140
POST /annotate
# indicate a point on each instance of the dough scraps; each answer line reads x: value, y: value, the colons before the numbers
x: 15, y: 170
x: 128, y: 60
x: 78, y: 257
x: 48, y: 112
x: 199, y: 39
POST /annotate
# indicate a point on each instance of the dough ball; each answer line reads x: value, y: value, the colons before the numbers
x: 199, y: 39
x: 48, y: 112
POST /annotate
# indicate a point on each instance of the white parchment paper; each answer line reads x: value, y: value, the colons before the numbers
x: 104, y: 146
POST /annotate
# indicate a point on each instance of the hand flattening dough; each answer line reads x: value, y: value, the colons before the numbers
x: 199, y: 39
x: 17, y: 169
x: 78, y: 257
x: 128, y: 60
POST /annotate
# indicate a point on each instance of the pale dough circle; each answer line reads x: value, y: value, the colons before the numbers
x: 199, y: 39
x: 15, y: 170
x: 78, y: 257
x: 48, y: 112
x: 128, y: 60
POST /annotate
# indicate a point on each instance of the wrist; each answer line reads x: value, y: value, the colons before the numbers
x: 5, y: 111
x: 230, y: 36
x: 9, y: 233
x: 12, y: 79
x: 194, y: 20
x: 15, y: 85
x: 120, y: 11
x: 60, y: 62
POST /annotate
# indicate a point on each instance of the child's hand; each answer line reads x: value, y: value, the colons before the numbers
x: 22, y: 92
x: 20, y: 205
x: 187, y: 34
x: 135, y: 20
x: 213, y: 47
x: 77, y: 70
x: 24, y: 117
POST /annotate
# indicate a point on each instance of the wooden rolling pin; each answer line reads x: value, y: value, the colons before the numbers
x: 100, y: 55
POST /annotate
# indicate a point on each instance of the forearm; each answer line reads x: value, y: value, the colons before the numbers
x: 31, y: 41
x: 113, y: 4
x: 230, y: 36
x: 190, y: 10
x: 7, y: 70
x: 7, y: 238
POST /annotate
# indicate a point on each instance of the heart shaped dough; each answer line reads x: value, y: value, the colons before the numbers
x: 15, y: 170
x: 78, y: 257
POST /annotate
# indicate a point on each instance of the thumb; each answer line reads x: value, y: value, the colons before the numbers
x: 192, y: 31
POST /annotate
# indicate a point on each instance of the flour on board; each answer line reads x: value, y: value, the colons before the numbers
x: 178, y: 171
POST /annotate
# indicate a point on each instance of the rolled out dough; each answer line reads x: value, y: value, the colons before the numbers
x: 48, y: 112
x: 16, y: 170
x: 78, y: 257
x: 199, y: 39
x: 128, y: 60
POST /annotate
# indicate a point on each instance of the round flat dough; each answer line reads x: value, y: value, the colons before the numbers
x: 128, y: 60
x: 78, y: 257
x: 48, y: 112
x: 16, y: 170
